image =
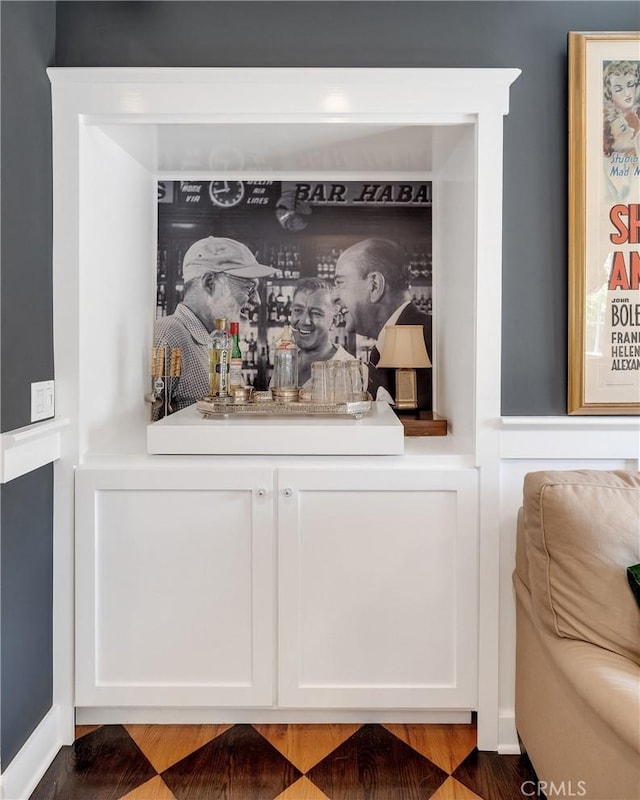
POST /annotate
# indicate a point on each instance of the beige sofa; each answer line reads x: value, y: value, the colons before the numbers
x: 578, y: 633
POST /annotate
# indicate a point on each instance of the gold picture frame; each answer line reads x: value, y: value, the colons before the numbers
x: 604, y: 223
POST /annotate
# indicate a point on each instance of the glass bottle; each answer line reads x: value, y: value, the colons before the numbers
x: 272, y: 307
x: 261, y: 381
x: 219, y: 358
x: 280, y: 301
x: 285, y: 362
x: 252, y: 348
x: 235, y: 363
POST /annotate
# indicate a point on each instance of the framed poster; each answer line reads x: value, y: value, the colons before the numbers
x: 604, y: 223
x: 335, y: 260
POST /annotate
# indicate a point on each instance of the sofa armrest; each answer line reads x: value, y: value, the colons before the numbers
x: 577, y: 709
x: 607, y: 682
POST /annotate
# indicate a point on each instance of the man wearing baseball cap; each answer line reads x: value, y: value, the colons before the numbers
x: 220, y: 280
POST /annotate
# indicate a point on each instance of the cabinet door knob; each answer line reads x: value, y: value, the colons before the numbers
x: 261, y: 492
x: 287, y: 492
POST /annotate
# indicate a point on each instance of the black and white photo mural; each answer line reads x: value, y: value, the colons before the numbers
x: 336, y: 260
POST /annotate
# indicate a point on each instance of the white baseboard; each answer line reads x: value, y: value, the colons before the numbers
x: 191, y: 716
x: 508, y: 744
x: 26, y: 769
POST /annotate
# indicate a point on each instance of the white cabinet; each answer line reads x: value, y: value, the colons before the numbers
x: 174, y: 587
x: 108, y: 154
x: 375, y: 605
x: 377, y: 588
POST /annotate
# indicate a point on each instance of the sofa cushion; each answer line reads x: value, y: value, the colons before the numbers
x: 582, y: 530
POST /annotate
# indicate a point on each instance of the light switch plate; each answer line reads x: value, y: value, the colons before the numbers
x: 42, y: 400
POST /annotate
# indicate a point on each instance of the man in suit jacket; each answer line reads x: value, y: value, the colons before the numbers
x: 372, y: 290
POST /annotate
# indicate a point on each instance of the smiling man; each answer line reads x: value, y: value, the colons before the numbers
x: 220, y: 280
x: 311, y: 322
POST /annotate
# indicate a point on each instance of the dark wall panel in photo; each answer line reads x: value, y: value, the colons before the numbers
x: 531, y: 35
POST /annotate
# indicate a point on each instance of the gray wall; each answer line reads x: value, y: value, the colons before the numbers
x: 26, y: 353
x: 529, y: 35
x: 28, y: 46
x: 26, y: 592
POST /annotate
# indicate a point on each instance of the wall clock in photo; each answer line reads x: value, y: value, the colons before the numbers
x: 226, y: 194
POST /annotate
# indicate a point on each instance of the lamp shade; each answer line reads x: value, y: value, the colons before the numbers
x: 404, y: 347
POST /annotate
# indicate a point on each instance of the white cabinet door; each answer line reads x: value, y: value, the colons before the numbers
x: 378, y: 582
x: 174, y: 587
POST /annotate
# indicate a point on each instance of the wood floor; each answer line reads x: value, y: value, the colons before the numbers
x: 281, y: 762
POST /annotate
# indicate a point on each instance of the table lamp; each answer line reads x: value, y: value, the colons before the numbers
x: 404, y: 349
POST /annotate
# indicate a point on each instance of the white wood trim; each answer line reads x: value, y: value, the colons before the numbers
x: 486, y: 401
x: 202, y: 716
x: 507, y: 735
x: 188, y: 96
x: 571, y: 423
x: 24, y: 449
x: 27, y: 768
x: 491, y: 86
x: 569, y: 437
x: 266, y: 74
x: 385, y: 176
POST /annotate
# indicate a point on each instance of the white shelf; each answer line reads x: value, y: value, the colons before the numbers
x: 187, y: 433
x: 570, y: 437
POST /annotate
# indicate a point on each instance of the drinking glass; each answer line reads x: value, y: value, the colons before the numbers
x: 341, y: 385
x: 358, y: 382
x: 321, y: 386
x: 285, y: 370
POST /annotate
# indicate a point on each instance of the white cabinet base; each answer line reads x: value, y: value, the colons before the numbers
x: 188, y: 603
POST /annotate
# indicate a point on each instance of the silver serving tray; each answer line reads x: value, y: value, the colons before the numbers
x: 211, y: 408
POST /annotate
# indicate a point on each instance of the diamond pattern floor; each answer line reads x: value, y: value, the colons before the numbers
x: 281, y: 762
